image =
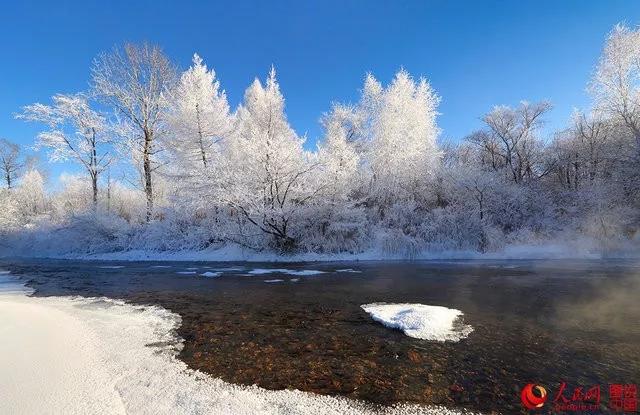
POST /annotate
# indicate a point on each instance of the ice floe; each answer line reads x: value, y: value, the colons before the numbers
x: 186, y: 272
x: 211, y: 274
x: 348, y: 270
x: 421, y: 321
x: 111, y: 266
x: 275, y: 280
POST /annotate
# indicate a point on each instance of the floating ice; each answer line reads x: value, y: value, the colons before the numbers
x: 421, y: 321
x: 294, y: 279
x: 161, y: 266
x: 276, y: 280
x: 303, y: 272
x: 211, y: 274
x: 186, y: 272
x: 111, y: 266
x: 348, y: 270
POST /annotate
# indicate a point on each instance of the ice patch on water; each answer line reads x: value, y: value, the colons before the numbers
x: 276, y: 280
x: 294, y: 279
x: 210, y: 274
x: 303, y: 272
x: 161, y: 266
x: 421, y: 321
x: 111, y: 266
x: 348, y: 270
x: 186, y: 272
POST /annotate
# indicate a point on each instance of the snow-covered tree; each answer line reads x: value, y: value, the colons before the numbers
x: 136, y: 81
x: 616, y: 83
x: 31, y: 194
x: 338, y: 155
x: 510, y: 140
x: 404, y: 151
x: 11, y: 161
x: 394, y: 130
x: 198, y: 116
x: 266, y: 165
x: 76, y: 132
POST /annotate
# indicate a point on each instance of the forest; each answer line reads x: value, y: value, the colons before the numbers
x: 194, y: 174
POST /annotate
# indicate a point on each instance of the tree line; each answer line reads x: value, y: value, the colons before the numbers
x: 201, y: 175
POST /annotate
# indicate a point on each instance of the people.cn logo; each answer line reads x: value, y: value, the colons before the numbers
x: 533, y: 396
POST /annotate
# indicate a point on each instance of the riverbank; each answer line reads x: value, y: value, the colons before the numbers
x: 549, y: 250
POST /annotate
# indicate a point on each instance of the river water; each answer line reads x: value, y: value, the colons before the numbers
x: 543, y: 322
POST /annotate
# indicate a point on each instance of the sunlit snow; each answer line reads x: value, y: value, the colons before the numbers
x: 421, y: 321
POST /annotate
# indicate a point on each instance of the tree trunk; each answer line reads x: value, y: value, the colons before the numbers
x: 94, y: 185
x: 146, y: 165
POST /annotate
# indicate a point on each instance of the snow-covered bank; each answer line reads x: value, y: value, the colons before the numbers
x: 421, y: 321
x: 101, y: 356
x: 550, y: 250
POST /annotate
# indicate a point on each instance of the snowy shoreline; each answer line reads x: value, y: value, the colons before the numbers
x: 549, y: 251
x: 107, y: 356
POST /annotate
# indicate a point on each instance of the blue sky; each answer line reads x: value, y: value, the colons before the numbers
x: 476, y: 54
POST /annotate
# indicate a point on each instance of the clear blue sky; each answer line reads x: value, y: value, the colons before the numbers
x: 476, y: 54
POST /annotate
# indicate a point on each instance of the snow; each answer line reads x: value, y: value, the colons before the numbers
x: 77, y: 355
x: 210, y: 274
x: 276, y: 280
x: 262, y: 271
x: 421, y: 321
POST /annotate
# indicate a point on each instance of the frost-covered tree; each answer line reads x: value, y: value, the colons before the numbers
x: 395, y: 129
x: 404, y: 151
x: 583, y: 152
x: 76, y: 132
x: 31, y: 194
x: 266, y: 166
x: 616, y: 83
x: 510, y: 141
x: 338, y: 154
x: 198, y: 116
x: 135, y: 80
x: 11, y: 161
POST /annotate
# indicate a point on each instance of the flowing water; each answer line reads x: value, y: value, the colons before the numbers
x: 543, y: 322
